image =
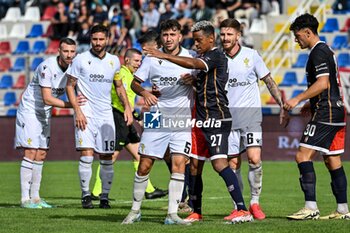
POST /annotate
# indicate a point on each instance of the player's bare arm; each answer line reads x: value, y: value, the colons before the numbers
x: 53, y: 101
x: 315, y: 89
x: 124, y: 100
x: 276, y: 94
x: 150, y: 99
x: 187, y: 62
x: 80, y: 119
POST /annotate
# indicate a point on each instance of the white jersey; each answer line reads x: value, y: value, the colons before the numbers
x: 245, y: 69
x: 176, y: 98
x: 48, y: 74
x: 95, y: 77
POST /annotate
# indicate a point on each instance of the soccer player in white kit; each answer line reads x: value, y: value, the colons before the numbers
x: 246, y: 67
x: 92, y: 74
x: 34, y: 120
x: 174, y: 102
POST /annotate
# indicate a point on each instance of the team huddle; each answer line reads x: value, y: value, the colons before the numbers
x: 206, y: 84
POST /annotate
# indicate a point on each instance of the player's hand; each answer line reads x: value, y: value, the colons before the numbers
x: 284, y: 118
x: 156, y: 91
x: 128, y: 117
x: 187, y: 79
x: 150, y: 99
x: 81, y: 99
x: 80, y: 120
x: 152, y: 52
x: 305, y: 111
x: 290, y: 104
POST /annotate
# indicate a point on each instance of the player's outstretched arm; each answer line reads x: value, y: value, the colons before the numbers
x: 276, y: 94
x: 124, y: 100
x: 150, y: 99
x: 80, y: 120
x: 315, y: 89
x: 51, y: 100
x: 187, y: 62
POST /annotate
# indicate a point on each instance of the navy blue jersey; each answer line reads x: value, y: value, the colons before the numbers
x: 211, y: 99
x: 328, y: 106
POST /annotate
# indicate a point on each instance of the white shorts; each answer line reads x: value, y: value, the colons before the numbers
x: 240, y: 139
x: 155, y: 143
x: 98, y: 135
x: 32, y: 132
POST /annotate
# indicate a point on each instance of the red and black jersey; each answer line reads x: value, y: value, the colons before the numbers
x: 328, y: 106
x: 211, y: 99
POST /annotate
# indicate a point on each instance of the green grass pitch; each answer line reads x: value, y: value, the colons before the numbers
x: 281, y: 196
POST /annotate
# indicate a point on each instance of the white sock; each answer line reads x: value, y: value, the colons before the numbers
x: 36, y: 180
x: 255, y: 175
x: 343, y: 208
x: 85, y: 172
x: 106, y: 176
x: 140, y: 185
x: 176, y: 186
x: 26, y: 173
x: 312, y: 205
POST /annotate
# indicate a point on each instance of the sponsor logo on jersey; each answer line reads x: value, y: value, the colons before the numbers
x: 99, y: 78
x: 170, y: 81
x: 234, y: 83
x: 57, y: 91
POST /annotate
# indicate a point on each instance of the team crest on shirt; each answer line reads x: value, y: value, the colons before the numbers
x: 89, y: 62
x: 80, y: 141
x: 29, y: 141
x: 246, y: 62
x: 111, y: 63
x: 160, y: 62
x: 142, y: 147
x: 54, y: 76
x: 44, y: 67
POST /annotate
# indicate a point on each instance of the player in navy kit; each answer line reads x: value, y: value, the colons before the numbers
x: 325, y: 132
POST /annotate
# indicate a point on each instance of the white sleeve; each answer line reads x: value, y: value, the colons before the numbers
x: 74, y: 70
x: 143, y: 72
x: 259, y: 66
x: 44, y: 75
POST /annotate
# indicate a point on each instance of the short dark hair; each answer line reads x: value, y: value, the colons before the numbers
x: 132, y: 51
x: 99, y: 28
x: 170, y: 24
x: 231, y: 23
x: 305, y: 21
x: 67, y: 41
x: 149, y: 36
x: 205, y: 26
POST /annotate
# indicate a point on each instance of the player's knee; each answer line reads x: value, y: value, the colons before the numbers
x: 30, y: 153
x: 235, y: 163
x: 41, y: 155
x: 255, y: 163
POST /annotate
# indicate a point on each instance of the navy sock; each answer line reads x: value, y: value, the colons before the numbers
x: 195, y: 190
x: 187, y: 180
x: 339, y: 185
x: 308, y: 180
x: 232, y: 185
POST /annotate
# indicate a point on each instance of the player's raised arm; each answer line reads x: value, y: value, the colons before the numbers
x: 187, y: 62
x: 150, y: 99
x: 80, y: 119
